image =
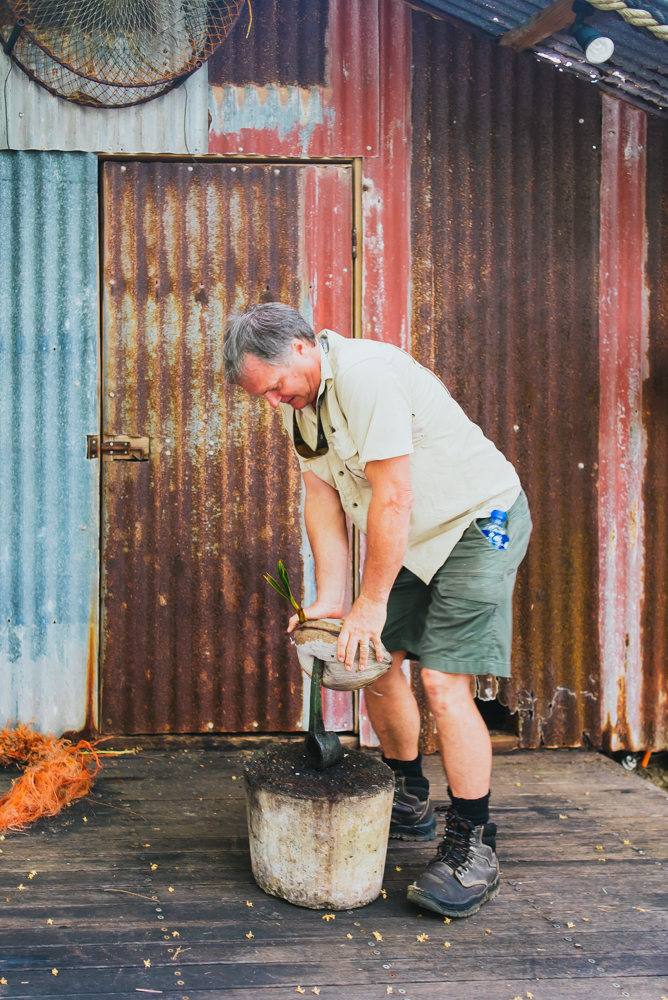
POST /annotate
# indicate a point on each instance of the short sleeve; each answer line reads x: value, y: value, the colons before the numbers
x: 377, y: 406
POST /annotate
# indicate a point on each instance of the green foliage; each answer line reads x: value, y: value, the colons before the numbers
x: 282, y: 586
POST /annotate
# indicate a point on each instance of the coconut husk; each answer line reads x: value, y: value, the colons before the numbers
x: 319, y: 638
x: 56, y: 774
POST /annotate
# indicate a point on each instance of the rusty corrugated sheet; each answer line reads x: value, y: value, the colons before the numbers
x: 327, y: 226
x: 49, y: 493
x: 193, y: 639
x: 637, y: 71
x: 32, y: 118
x: 505, y: 208
x: 622, y: 438
x: 338, y: 117
x: 654, y: 704
x: 386, y: 188
x: 286, y: 45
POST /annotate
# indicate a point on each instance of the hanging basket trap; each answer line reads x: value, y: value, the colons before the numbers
x: 113, y: 53
x: 56, y: 773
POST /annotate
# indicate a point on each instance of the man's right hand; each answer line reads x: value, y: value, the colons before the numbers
x: 318, y: 610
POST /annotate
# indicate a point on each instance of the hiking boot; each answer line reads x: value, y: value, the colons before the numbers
x: 412, y: 813
x: 465, y: 872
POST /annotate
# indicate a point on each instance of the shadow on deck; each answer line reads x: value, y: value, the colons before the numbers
x: 145, y: 889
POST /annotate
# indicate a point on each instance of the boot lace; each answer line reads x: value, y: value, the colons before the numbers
x: 455, y: 848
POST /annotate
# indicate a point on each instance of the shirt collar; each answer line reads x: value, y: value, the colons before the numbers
x: 326, y: 372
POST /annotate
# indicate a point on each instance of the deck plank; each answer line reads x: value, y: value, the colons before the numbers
x: 165, y: 809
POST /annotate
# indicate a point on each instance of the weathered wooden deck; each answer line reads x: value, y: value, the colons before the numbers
x: 146, y: 890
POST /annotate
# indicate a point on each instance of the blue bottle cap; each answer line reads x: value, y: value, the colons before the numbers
x: 499, y: 515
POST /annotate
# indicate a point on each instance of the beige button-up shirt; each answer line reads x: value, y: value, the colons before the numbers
x: 380, y: 403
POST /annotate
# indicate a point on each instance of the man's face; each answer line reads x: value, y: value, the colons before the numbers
x: 296, y: 383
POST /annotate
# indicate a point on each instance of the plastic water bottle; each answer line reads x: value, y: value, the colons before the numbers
x: 496, y: 530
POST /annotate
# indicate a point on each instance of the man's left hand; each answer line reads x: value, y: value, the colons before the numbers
x: 364, y: 624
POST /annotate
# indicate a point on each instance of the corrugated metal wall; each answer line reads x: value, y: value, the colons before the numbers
x: 505, y: 241
x: 655, y: 417
x: 32, y: 118
x: 263, y: 115
x: 49, y: 528
x: 505, y: 309
x: 622, y: 452
x: 193, y: 638
x: 286, y: 45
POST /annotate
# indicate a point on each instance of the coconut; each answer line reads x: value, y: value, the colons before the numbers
x: 319, y: 638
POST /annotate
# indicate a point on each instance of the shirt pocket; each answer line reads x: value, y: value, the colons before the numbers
x: 355, y: 469
x: 343, y: 444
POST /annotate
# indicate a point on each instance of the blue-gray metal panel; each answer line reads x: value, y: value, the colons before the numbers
x: 49, y: 492
x: 35, y: 119
x: 638, y: 70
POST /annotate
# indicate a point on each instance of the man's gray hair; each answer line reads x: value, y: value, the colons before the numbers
x: 266, y: 331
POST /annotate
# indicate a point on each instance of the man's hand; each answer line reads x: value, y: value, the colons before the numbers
x: 364, y: 623
x: 318, y: 610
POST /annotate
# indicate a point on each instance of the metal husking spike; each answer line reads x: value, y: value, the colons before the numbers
x: 323, y: 749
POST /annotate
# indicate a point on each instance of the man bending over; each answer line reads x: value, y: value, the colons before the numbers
x: 379, y: 438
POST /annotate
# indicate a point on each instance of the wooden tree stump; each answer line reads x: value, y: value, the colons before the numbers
x: 318, y: 838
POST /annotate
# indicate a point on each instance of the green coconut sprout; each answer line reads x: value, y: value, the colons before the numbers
x: 282, y: 585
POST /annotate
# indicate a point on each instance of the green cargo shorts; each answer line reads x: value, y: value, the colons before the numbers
x: 461, y: 622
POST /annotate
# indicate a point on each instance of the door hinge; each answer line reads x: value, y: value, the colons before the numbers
x: 354, y: 243
x: 118, y: 448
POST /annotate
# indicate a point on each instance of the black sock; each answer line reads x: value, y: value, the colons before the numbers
x: 409, y: 768
x: 475, y: 811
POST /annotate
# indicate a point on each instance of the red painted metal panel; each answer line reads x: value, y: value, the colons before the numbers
x: 339, y: 119
x: 386, y: 188
x: 328, y: 258
x: 368, y: 737
x: 654, y: 637
x: 386, y: 213
x: 622, y: 440
x: 328, y: 247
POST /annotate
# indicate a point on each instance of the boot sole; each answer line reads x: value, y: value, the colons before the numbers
x: 408, y: 834
x: 413, y: 832
x: 425, y: 900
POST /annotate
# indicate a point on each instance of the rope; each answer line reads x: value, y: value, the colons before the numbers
x: 636, y: 16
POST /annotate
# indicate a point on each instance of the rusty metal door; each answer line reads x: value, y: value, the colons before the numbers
x: 193, y: 640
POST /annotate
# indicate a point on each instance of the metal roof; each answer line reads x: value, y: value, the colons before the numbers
x: 638, y: 70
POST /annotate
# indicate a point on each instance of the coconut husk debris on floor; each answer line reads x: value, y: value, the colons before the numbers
x: 57, y: 772
x: 145, y: 888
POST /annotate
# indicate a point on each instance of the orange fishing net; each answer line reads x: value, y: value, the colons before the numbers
x: 57, y: 772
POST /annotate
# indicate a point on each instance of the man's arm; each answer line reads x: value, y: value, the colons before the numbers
x: 328, y: 535
x: 387, y: 537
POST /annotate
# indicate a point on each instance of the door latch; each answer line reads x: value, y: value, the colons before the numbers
x: 118, y: 448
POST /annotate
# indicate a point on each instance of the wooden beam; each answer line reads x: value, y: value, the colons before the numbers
x: 545, y: 22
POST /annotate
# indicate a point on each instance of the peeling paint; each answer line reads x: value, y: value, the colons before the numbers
x: 340, y: 118
x: 287, y: 116
x: 622, y: 438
